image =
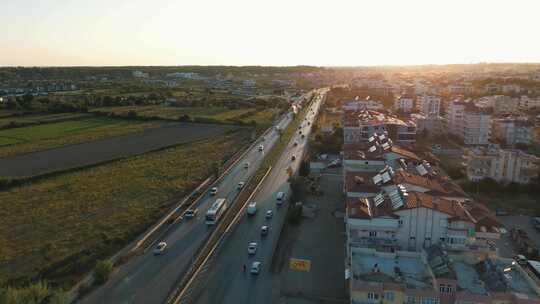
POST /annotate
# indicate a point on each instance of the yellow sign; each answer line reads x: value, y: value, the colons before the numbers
x: 300, y: 264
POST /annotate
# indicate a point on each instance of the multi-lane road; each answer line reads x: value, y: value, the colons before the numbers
x: 149, y: 278
x: 227, y: 282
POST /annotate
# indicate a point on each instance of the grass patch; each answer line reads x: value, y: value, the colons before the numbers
x: 57, y: 228
x: 34, y: 138
x: 263, y: 117
x: 39, y: 118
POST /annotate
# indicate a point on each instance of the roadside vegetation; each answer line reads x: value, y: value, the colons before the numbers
x: 57, y: 228
x: 45, y: 136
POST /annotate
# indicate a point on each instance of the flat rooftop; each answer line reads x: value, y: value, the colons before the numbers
x: 403, y: 268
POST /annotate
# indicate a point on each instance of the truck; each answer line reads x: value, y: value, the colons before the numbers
x: 252, y: 208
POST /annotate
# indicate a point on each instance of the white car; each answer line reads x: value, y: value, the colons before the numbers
x: 160, y: 248
x: 255, y: 267
x: 241, y: 185
x: 264, y: 230
x: 269, y: 214
x: 246, y: 165
x: 214, y: 191
x: 252, y: 248
x: 261, y: 147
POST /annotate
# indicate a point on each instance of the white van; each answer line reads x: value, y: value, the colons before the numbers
x: 280, y: 197
x: 252, y: 208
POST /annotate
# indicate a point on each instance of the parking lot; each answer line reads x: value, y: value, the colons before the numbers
x: 320, y: 239
x: 506, y: 245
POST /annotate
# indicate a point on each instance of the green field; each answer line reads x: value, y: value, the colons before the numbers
x: 33, y: 138
x: 58, y: 227
x: 214, y: 113
x: 39, y: 118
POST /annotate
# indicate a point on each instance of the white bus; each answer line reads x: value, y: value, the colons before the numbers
x: 216, y: 211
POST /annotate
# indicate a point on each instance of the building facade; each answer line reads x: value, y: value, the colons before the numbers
x: 501, y: 165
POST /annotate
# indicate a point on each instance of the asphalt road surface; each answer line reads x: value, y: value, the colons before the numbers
x: 227, y: 283
x: 94, y: 152
x: 148, y: 278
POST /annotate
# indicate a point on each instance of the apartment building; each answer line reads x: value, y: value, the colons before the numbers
x: 430, y: 124
x: 430, y: 105
x: 501, y: 104
x: 469, y: 122
x: 359, y: 126
x: 512, y: 130
x: 501, y: 165
x: 527, y: 103
x: 362, y: 104
x: 433, y: 276
x: 404, y: 103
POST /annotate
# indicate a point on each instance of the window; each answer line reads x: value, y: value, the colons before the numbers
x: 372, y: 296
x: 442, y: 240
x: 400, y: 222
x: 389, y: 296
x: 443, y: 288
x: 412, y: 238
x: 373, y: 233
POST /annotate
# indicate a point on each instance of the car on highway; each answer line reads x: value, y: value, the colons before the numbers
x: 252, y: 248
x: 261, y: 147
x: 240, y: 185
x: 264, y: 230
x: 302, y: 136
x: 246, y: 165
x: 269, y: 214
x: 160, y: 248
x: 252, y: 208
x: 214, y: 191
x: 293, y: 157
x: 255, y: 267
x: 191, y: 213
x: 300, y: 132
x: 295, y: 143
x: 280, y: 197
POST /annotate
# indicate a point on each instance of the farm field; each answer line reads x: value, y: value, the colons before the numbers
x: 93, y: 152
x: 39, y: 118
x: 45, y: 136
x: 214, y: 113
x: 58, y: 227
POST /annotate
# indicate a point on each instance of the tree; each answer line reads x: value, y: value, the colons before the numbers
x: 102, y: 271
x: 304, y: 168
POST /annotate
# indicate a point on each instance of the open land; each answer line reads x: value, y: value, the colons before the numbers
x: 56, y: 228
x: 93, y: 152
x: 50, y: 135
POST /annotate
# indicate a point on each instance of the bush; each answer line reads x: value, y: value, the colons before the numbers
x: 102, y: 271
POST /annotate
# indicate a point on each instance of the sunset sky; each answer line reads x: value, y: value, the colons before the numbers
x: 276, y: 32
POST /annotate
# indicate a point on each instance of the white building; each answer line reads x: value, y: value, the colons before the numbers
x: 468, y: 122
x: 501, y: 165
x: 404, y: 103
x: 513, y: 130
x: 359, y: 126
x: 396, y: 219
x: 527, y: 103
x: 362, y: 104
x: 430, y: 105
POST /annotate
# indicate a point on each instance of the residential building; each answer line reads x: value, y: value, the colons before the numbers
x: 404, y: 103
x: 430, y: 105
x: 501, y: 165
x: 359, y: 126
x: 501, y: 104
x: 512, y: 130
x: 469, y: 122
x: 527, y: 103
x: 433, y: 276
x: 362, y: 104
x: 430, y: 124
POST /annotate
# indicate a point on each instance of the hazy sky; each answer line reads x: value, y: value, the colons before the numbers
x: 270, y: 32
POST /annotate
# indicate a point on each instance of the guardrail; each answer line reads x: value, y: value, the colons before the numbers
x: 180, y: 292
x: 185, y: 289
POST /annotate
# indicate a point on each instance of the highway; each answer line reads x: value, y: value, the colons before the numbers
x: 227, y: 283
x: 148, y: 278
